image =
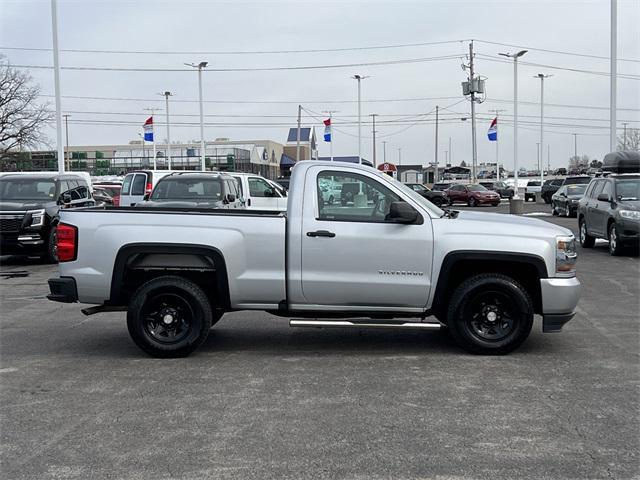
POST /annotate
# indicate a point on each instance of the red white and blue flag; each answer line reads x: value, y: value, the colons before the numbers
x: 327, y: 130
x: 493, y: 130
x: 148, y: 130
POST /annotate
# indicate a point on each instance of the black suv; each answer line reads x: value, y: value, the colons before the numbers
x: 29, y: 206
x: 501, y: 188
x: 610, y: 209
x: 436, y: 197
x: 549, y: 187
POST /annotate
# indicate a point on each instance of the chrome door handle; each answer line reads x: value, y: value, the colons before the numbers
x: 321, y: 233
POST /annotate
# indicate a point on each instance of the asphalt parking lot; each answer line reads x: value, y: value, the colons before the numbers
x: 260, y: 400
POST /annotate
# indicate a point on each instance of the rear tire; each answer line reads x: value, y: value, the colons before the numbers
x: 51, y: 255
x: 586, y: 240
x: 472, y: 202
x: 490, y: 314
x: 169, y: 317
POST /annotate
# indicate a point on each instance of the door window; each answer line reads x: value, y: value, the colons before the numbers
x: 597, y: 189
x: 126, y: 184
x: 362, y: 199
x: 139, y: 182
x: 259, y: 188
x: 608, y: 189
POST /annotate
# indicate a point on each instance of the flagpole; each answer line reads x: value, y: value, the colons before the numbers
x: 331, y: 138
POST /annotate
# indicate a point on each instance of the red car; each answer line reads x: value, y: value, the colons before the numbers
x: 473, y: 195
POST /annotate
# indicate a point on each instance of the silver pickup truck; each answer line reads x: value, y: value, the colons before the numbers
x: 384, y: 257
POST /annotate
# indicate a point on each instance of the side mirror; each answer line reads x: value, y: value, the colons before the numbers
x: 146, y: 196
x: 65, y: 198
x: 402, y: 212
x: 604, y: 197
x: 268, y: 192
x: 230, y: 198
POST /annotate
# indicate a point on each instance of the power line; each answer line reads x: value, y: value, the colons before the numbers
x: 560, y: 52
x: 237, y: 52
x: 246, y: 69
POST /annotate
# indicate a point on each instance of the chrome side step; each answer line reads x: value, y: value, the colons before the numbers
x: 362, y: 324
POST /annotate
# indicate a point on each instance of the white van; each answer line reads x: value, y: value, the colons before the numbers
x: 138, y: 183
x: 258, y: 193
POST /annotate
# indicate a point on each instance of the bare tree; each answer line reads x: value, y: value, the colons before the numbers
x: 22, y: 118
x: 633, y: 140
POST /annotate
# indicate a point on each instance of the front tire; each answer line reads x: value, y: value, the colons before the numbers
x: 490, y: 314
x: 615, y: 247
x: 586, y: 240
x: 169, y: 317
x: 472, y: 202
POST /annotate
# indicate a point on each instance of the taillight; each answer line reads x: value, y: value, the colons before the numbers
x: 149, y: 188
x: 67, y: 242
x: 116, y: 201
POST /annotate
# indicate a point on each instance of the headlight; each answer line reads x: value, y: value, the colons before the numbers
x: 630, y: 214
x: 37, y: 218
x: 566, y: 256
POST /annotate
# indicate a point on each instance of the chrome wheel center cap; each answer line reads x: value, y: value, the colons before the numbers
x: 167, y: 319
x: 491, y: 316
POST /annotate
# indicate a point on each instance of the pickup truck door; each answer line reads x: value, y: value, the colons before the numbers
x: 352, y: 257
x: 262, y: 195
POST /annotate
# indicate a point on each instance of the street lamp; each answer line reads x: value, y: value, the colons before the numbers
x: 359, y: 78
x: 541, y: 76
x: 515, y: 57
x: 166, y: 95
x: 200, y: 66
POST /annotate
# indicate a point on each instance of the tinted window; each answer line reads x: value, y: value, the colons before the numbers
x: 126, y: 184
x: 374, y: 209
x: 608, y: 189
x: 575, y: 189
x: 139, y: 182
x: 476, y: 188
x: 577, y: 180
x: 27, y: 189
x: 556, y: 182
x: 458, y: 188
x: 239, y: 186
x: 533, y: 184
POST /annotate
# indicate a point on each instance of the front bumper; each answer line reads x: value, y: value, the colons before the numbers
x: 629, y: 232
x: 63, y: 290
x: 559, y: 300
x: 27, y: 243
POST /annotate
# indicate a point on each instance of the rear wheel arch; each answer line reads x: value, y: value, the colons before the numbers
x: 458, y: 266
x: 136, y: 264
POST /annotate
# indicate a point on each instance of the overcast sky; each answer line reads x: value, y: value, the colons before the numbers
x: 416, y: 88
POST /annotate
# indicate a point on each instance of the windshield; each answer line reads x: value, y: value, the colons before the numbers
x: 417, y: 187
x: 628, y: 190
x: 577, y: 180
x: 576, y: 189
x: 476, y: 188
x: 27, y: 189
x: 416, y: 197
x: 188, y: 189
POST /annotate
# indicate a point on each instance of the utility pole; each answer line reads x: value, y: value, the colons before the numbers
x: 474, y: 151
x: 56, y: 81
x: 167, y: 94
x: 549, y: 159
x: 199, y: 66
x: 436, y: 142
x: 614, y: 74
x: 298, y: 133
x: 384, y: 151
x: 538, y: 156
x: 450, y: 159
x: 497, y: 112
x: 541, y: 76
x: 373, y: 131
x: 66, y: 129
x: 575, y: 146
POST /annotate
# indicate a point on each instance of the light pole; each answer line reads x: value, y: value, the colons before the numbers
x: 384, y: 151
x: 542, y: 76
x: 515, y: 57
x: 373, y: 131
x: 614, y: 74
x: 624, y: 136
x: 66, y: 134
x: 538, y: 156
x: 359, y: 78
x: 575, y: 146
x: 168, y: 94
x: 56, y: 81
x: 200, y: 66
